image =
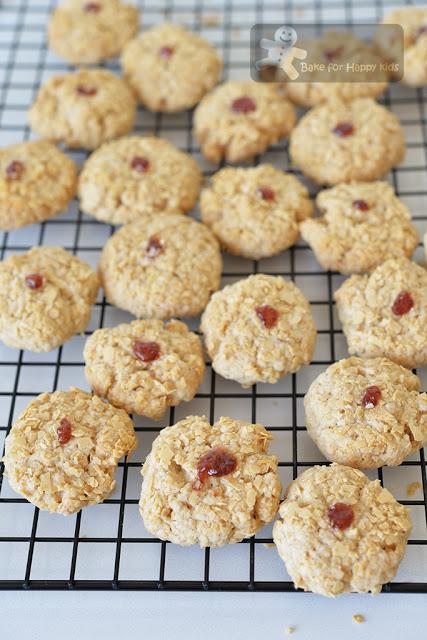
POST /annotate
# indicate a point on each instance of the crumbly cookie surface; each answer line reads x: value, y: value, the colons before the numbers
x: 353, y: 424
x: 146, y: 366
x: 255, y: 212
x: 175, y: 506
x: 83, y: 109
x: 162, y: 266
x: 135, y: 175
x: 37, y: 181
x: 328, y: 560
x: 258, y: 330
x: 413, y: 21
x: 170, y: 68
x: 344, y: 141
x: 365, y: 307
x: 46, y: 296
x: 62, y: 471
x: 334, y: 48
x: 85, y: 32
x: 363, y: 224
x: 238, y: 120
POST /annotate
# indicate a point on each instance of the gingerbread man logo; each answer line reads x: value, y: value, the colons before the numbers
x: 282, y: 52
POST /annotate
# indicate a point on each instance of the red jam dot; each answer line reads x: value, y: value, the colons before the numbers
x: 268, y: 315
x: 341, y: 515
x: 34, y: 281
x: 331, y: 54
x: 166, y: 52
x: 140, y: 164
x: 154, y: 247
x: 343, y: 129
x: 371, y: 397
x: 266, y: 193
x: 420, y: 31
x: 362, y: 205
x: 146, y: 351
x: 64, y: 431
x: 403, y: 303
x: 217, y: 462
x: 92, y: 7
x: 245, y: 104
x: 82, y: 90
x: 15, y: 170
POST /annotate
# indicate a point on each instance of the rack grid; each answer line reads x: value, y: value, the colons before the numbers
x: 106, y: 546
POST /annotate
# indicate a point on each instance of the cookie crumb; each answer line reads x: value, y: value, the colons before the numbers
x: 211, y: 20
x: 269, y: 545
x: 289, y: 630
x: 358, y: 618
x: 412, y: 488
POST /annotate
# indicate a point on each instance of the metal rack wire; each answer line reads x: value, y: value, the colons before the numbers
x: 106, y: 546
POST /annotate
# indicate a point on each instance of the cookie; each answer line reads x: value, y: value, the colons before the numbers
x: 162, y: 266
x: 170, y: 68
x: 83, y: 109
x: 366, y: 413
x: 62, y: 452
x: 385, y: 313
x: 146, y: 366
x: 255, y: 212
x: 363, y: 224
x: 336, y: 48
x: 258, y: 330
x: 344, y: 141
x: 46, y: 296
x: 133, y: 176
x: 85, y: 32
x: 37, y: 181
x: 338, y: 532
x: 413, y: 20
x: 239, y: 120
x: 209, y: 485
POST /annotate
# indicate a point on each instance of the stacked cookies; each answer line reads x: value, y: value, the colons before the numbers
x: 216, y: 484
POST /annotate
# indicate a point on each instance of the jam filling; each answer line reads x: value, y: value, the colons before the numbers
x: 420, y: 31
x: 166, y: 52
x: 64, y: 431
x: 140, y: 164
x: 371, y: 397
x: 267, y: 315
x: 34, y: 281
x: 402, y: 304
x: 83, y: 90
x: 343, y: 129
x: 146, y: 351
x: 332, y: 54
x: 244, y: 104
x: 154, y: 247
x: 266, y: 193
x: 92, y: 7
x: 217, y: 462
x: 362, y: 205
x: 341, y: 515
x: 15, y: 170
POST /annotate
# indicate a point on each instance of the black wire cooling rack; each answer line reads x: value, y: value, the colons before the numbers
x: 106, y: 546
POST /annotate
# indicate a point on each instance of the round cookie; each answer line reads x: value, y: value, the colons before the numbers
x: 414, y: 23
x: 338, y: 532
x: 336, y: 48
x: 344, y: 141
x: 366, y: 413
x: 209, y: 485
x: 85, y: 32
x: 37, y: 181
x: 239, y: 120
x: 385, y: 313
x: 162, y: 266
x: 46, y: 296
x: 146, y: 366
x: 258, y: 330
x: 170, y: 68
x: 255, y: 212
x: 62, y: 452
x: 127, y: 178
x: 363, y: 224
x: 83, y: 109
